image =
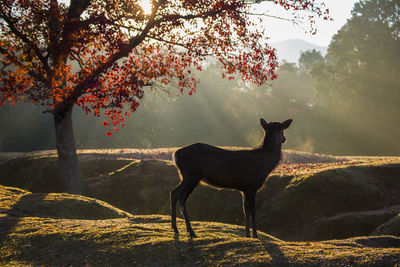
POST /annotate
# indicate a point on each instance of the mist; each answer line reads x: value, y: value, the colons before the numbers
x: 343, y: 103
x: 224, y: 113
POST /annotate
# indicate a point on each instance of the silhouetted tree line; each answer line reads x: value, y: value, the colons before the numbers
x: 344, y: 103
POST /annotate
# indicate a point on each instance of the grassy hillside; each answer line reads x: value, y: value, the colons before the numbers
x: 109, y: 237
x: 308, y: 197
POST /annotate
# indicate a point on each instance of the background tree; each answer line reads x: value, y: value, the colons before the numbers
x: 308, y: 59
x: 359, y: 83
x: 100, y: 55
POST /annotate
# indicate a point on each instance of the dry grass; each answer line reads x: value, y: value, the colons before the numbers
x: 292, y: 205
x: 55, y: 239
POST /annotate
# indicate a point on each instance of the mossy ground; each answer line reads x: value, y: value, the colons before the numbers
x: 54, y: 238
x: 60, y: 229
x: 303, y: 191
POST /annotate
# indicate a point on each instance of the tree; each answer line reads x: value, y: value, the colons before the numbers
x: 101, y: 55
x: 360, y: 74
x: 362, y: 55
x: 308, y: 59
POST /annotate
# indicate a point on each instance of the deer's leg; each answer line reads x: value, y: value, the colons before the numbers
x: 246, y: 215
x: 174, y: 197
x: 251, y: 201
x: 187, y: 189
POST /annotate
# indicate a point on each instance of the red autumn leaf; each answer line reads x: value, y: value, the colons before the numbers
x: 93, y: 62
x: 102, y: 55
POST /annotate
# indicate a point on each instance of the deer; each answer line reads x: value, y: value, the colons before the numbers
x: 242, y: 170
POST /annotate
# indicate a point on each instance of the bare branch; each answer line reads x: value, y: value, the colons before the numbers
x: 77, y: 58
x: 266, y: 15
x: 249, y: 2
x: 211, y: 13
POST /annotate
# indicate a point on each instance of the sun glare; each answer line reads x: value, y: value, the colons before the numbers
x: 146, y: 5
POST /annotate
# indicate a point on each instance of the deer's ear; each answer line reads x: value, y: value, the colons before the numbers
x: 286, y: 124
x: 264, y: 123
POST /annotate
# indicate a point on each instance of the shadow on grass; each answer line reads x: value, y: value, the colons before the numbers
x: 188, y: 250
x: 206, y: 250
x: 63, y: 249
x: 278, y: 258
x: 13, y: 215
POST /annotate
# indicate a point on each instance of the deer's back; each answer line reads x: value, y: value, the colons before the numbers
x: 243, y: 169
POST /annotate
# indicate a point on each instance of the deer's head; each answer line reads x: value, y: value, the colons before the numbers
x: 275, y: 129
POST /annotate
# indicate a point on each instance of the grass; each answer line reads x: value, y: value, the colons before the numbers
x: 391, y: 227
x: 55, y: 238
x: 304, y: 198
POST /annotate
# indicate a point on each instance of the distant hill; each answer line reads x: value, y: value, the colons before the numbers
x: 291, y: 49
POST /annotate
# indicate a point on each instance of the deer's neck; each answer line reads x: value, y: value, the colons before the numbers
x: 272, y: 150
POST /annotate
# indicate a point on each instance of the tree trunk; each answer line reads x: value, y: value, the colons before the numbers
x: 66, y: 150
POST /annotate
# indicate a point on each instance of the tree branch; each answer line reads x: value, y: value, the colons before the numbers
x: 72, y: 22
x: 15, y: 61
x: 53, y: 30
x: 211, y: 13
x: 249, y: 2
x: 77, y: 58
x: 76, y: 8
x: 267, y: 15
x: 128, y: 47
x: 25, y: 39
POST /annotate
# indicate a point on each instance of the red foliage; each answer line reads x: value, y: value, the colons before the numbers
x: 102, y: 55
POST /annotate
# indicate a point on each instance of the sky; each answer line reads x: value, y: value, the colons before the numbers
x: 279, y: 30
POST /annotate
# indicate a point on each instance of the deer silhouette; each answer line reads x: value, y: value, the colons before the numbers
x: 243, y: 170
